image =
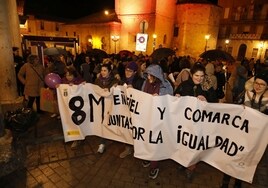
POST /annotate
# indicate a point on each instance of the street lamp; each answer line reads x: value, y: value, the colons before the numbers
x: 154, y: 37
x: 227, y: 41
x: 261, y: 45
x: 106, y: 12
x: 206, y: 37
x: 115, y: 38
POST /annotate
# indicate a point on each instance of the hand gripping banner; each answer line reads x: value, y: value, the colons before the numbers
x: 231, y: 138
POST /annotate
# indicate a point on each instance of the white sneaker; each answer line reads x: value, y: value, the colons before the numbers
x: 101, y: 148
x: 53, y: 115
x: 126, y: 152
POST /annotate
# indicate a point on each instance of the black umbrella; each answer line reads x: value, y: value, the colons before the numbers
x: 214, y: 55
x: 97, y: 53
x: 54, y: 51
x: 125, y: 53
x: 162, y: 53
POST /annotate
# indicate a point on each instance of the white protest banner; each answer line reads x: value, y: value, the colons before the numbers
x: 141, y: 42
x: 232, y: 138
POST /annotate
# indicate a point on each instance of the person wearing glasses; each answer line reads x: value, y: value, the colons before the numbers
x: 256, y: 97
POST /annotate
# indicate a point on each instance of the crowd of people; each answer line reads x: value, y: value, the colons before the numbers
x: 211, y: 81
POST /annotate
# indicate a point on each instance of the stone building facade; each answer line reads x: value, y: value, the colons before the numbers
x: 181, y: 25
x: 244, y: 29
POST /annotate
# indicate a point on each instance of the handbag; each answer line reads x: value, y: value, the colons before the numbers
x: 48, y: 100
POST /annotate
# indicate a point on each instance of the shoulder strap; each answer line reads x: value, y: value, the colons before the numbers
x: 37, y: 73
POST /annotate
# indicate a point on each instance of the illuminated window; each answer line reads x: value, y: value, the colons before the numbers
x: 246, y: 29
x: 266, y: 53
x: 57, y: 27
x: 234, y: 29
x: 238, y: 13
x: 176, y: 31
x: 165, y: 39
x: 226, y: 13
x: 254, y: 52
x: 42, y: 25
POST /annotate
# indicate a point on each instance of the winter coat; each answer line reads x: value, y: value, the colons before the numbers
x: 106, y: 82
x: 261, y: 106
x: 156, y: 71
x: 188, y: 88
x: 29, y: 75
x: 137, y: 82
x: 87, y: 72
x: 210, y: 73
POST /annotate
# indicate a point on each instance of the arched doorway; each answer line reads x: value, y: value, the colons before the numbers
x: 241, y: 52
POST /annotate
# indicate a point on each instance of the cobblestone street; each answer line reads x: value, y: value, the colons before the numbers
x: 52, y: 163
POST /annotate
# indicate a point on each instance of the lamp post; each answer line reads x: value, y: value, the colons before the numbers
x: 206, y: 37
x: 154, y: 37
x: 115, y: 38
x: 261, y: 45
x: 227, y: 41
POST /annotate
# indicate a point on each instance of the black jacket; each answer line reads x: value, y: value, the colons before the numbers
x: 137, y: 82
x: 188, y: 88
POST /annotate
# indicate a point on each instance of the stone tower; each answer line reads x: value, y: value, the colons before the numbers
x: 194, y: 20
x: 150, y: 17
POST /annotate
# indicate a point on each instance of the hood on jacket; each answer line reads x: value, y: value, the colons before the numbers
x: 156, y: 71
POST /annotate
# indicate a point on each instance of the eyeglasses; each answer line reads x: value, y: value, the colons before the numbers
x: 260, y: 84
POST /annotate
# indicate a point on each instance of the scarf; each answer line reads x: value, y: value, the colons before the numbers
x: 152, y: 88
x: 129, y: 80
x: 105, y: 80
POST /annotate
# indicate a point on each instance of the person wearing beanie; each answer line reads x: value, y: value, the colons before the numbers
x: 132, y: 66
x: 256, y: 97
x: 132, y: 79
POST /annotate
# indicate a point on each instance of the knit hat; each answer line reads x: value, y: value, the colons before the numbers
x: 132, y: 66
x: 263, y: 75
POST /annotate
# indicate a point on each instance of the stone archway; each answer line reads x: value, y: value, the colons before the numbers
x: 241, y: 52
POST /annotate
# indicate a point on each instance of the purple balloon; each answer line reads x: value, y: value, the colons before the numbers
x: 52, y: 80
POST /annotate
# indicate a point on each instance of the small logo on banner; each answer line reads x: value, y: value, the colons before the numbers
x: 72, y: 133
x: 65, y: 92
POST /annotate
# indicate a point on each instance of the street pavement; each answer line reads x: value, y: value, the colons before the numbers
x: 52, y: 163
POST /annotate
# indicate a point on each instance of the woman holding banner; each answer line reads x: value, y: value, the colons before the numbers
x: 72, y: 77
x: 256, y: 97
x: 155, y: 84
x: 106, y: 80
x: 193, y: 87
x: 132, y: 79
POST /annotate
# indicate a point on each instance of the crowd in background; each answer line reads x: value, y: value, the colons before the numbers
x: 213, y: 81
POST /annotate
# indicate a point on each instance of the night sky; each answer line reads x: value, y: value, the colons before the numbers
x: 68, y: 9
